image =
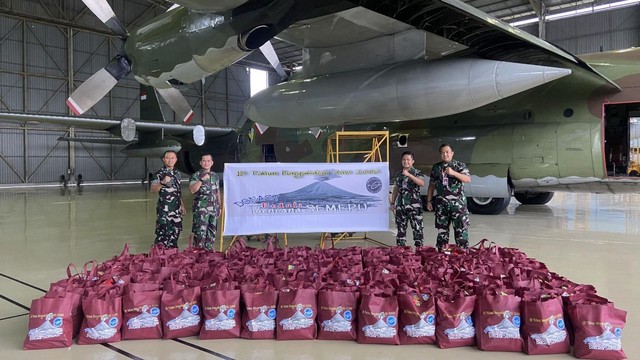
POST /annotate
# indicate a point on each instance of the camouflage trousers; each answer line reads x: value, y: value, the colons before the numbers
x: 168, y: 228
x: 204, y: 228
x: 452, y: 212
x: 413, y: 215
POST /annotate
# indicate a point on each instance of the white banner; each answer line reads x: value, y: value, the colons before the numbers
x: 301, y: 198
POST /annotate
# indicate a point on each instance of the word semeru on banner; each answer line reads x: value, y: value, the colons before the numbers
x: 301, y: 198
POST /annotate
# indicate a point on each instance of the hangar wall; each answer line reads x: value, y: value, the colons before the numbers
x: 604, y: 31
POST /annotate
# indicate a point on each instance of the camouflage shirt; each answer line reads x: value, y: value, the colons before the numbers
x: 207, y: 195
x: 408, y: 191
x: 449, y: 187
x: 169, y: 194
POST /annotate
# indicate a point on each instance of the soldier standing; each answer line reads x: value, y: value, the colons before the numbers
x: 205, y: 185
x: 405, y: 201
x: 446, y: 179
x: 170, y: 208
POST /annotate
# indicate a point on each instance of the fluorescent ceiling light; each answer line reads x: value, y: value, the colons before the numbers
x: 573, y: 13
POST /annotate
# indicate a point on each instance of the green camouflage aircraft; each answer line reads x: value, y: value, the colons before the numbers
x: 527, y: 117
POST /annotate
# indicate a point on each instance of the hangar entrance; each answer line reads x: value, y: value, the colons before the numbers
x: 622, y: 139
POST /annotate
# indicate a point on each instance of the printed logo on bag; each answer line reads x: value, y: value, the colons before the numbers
x: 47, y: 330
x: 263, y: 322
x: 425, y: 297
x: 272, y: 313
x: 422, y: 327
x: 464, y: 330
x: 102, y: 331
x: 516, y: 320
x: 348, y: 315
x: 608, y: 340
x: 145, y: 319
x: 308, y: 312
x: 298, y: 320
x: 381, y: 329
x: 222, y: 321
x: 392, y: 321
x: 553, y: 335
x: 506, y: 329
x: 113, y: 322
x: 57, y: 322
x: 187, y: 318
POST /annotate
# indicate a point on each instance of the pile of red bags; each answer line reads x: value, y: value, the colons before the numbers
x: 495, y: 298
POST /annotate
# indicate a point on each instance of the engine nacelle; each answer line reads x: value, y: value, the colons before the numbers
x: 254, y: 38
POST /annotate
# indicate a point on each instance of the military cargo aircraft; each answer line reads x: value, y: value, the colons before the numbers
x: 527, y: 117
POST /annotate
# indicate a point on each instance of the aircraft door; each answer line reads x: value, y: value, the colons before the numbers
x: 535, y: 153
x: 575, y: 154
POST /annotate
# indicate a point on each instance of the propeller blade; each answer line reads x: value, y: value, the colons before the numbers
x: 91, y: 91
x: 270, y: 53
x: 98, y: 85
x: 104, y: 12
x: 177, y: 102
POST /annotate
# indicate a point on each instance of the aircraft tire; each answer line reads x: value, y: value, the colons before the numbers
x: 487, y: 206
x: 533, y: 198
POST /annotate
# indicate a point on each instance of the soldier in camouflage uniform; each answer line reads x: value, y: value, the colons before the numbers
x: 447, y: 180
x: 204, y: 184
x: 405, y: 201
x: 170, y: 208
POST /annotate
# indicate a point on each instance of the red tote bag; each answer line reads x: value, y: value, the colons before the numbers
x: 598, y: 331
x: 50, y: 324
x: 378, y: 320
x: 417, y: 318
x: 141, y: 315
x: 221, y: 309
x: 337, y: 315
x: 296, y: 314
x: 454, y: 322
x: 102, y: 320
x: 259, y: 316
x: 498, y: 323
x: 181, y: 313
x: 544, y: 328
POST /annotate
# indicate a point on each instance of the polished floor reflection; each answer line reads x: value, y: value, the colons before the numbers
x: 588, y: 238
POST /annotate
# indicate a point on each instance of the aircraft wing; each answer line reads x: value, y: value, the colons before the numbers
x: 113, y: 125
x: 452, y: 28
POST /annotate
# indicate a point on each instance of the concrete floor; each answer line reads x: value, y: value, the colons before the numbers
x: 587, y: 238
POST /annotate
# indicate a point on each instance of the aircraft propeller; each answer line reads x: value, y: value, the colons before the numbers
x: 270, y: 53
x: 100, y: 83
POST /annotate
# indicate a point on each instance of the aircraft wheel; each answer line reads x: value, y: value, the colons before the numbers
x: 634, y: 173
x: 487, y: 205
x: 533, y: 198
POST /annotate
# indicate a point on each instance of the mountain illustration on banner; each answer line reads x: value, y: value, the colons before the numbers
x: 319, y: 193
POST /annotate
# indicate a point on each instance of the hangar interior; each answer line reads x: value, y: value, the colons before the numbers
x: 49, y: 47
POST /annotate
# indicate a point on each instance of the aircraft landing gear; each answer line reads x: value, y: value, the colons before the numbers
x: 533, y: 198
x: 487, y: 205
